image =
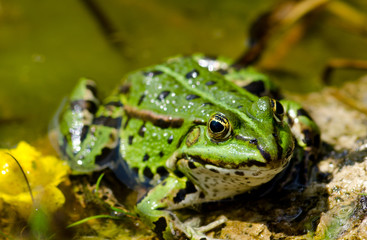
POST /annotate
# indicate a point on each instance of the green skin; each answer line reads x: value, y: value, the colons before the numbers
x: 186, y: 131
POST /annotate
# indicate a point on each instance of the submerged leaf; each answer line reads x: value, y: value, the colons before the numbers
x: 44, y: 173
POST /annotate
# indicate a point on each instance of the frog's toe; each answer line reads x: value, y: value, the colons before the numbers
x: 198, y: 232
x: 222, y: 219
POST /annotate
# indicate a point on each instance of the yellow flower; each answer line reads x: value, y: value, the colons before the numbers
x: 44, y: 174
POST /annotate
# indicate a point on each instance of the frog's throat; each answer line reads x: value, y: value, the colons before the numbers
x: 219, y: 183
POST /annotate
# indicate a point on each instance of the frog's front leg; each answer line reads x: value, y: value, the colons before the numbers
x: 87, y: 132
x: 306, y: 132
x: 155, y: 208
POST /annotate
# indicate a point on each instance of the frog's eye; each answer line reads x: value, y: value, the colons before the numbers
x: 278, y: 110
x: 219, y: 127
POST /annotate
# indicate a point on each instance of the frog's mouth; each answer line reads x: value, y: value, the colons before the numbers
x: 245, y: 165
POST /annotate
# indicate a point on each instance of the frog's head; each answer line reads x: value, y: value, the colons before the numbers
x: 255, y: 140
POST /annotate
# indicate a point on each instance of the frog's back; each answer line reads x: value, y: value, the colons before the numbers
x: 162, y: 103
x: 182, y: 88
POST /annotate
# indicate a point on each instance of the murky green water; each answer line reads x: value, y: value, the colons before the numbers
x: 45, y: 46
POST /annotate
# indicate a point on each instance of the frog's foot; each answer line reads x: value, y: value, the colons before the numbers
x: 198, y: 233
x: 194, y: 234
x: 173, y: 193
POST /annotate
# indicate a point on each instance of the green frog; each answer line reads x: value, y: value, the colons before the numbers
x: 191, y: 130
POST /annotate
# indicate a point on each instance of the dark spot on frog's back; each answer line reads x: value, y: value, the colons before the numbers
x: 163, y: 95
x: 84, y: 132
x: 130, y: 139
x: 142, y: 130
x: 145, y: 158
x: 124, y: 89
x: 170, y: 139
x: 108, y: 121
x: 233, y: 90
x: 191, y: 97
x: 148, y: 173
x: 141, y: 99
x: 126, y: 122
x: 162, y: 172
x: 84, y: 104
x: 206, y: 104
x: 152, y: 73
x: 256, y: 87
x: 210, y: 83
x: 193, y: 74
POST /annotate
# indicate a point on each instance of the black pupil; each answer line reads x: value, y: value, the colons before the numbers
x: 216, y: 126
x: 280, y: 109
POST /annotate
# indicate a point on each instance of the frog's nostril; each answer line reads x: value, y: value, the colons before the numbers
x: 253, y: 141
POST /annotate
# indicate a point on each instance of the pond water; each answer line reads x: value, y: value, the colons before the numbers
x: 47, y: 46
